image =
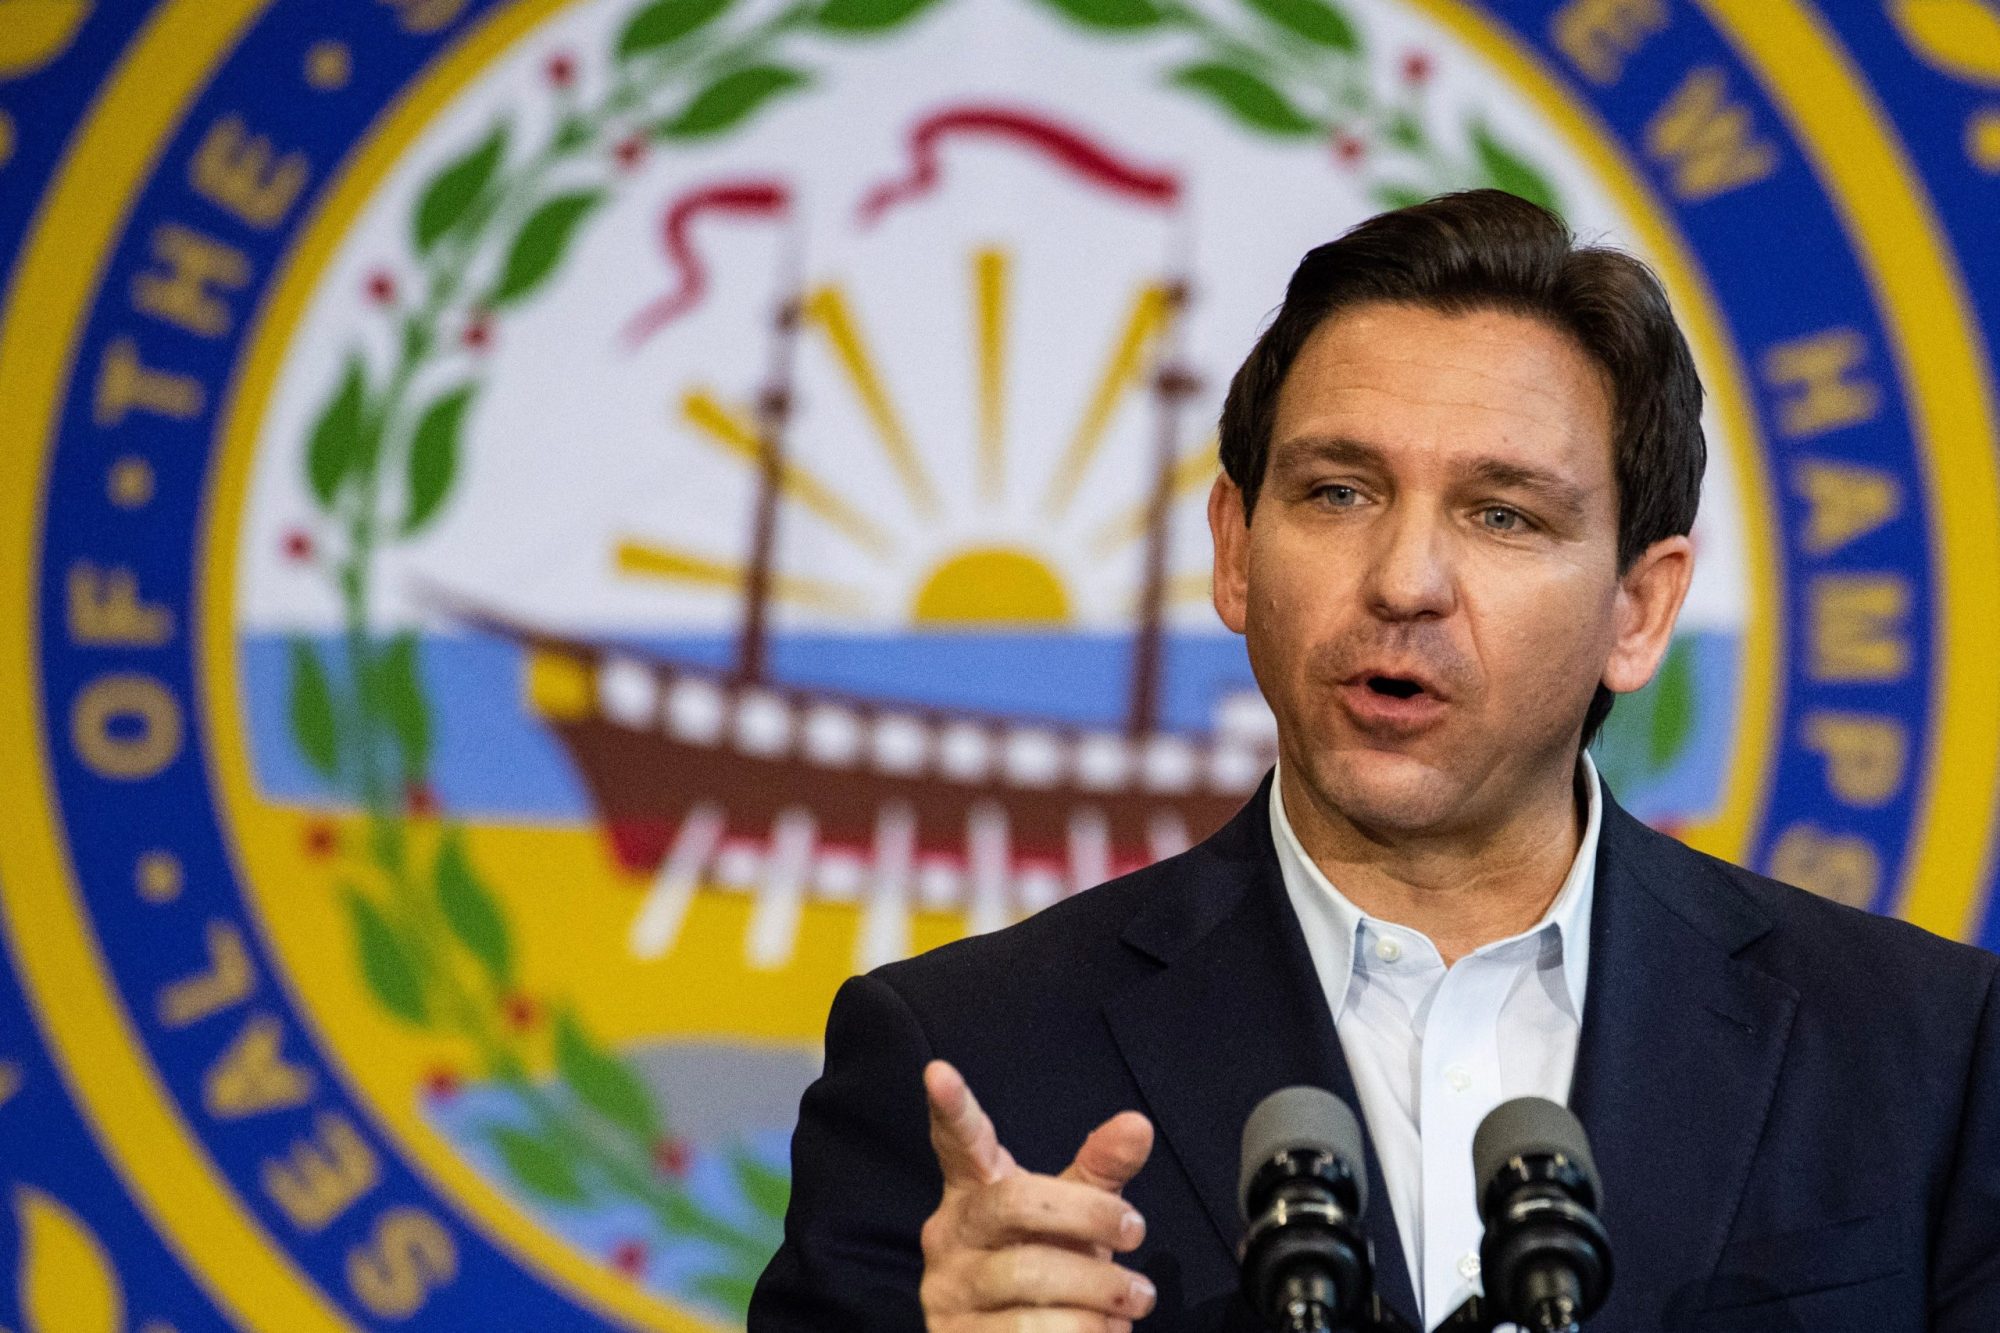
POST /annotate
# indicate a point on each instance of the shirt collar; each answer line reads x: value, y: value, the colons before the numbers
x: 1340, y: 922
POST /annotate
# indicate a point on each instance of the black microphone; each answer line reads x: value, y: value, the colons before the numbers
x: 1302, y: 1188
x: 1546, y: 1259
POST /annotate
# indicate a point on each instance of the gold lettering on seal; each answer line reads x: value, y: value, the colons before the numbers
x: 252, y: 1076
x: 1599, y: 36
x: 1856, y: 630
x: 1706, y: 141
x: 125, y: 383
x: 323, y: 1174
x: 106, y: 611
x: 155, y: 727
x: 409, y: 1255
x: 1839, y: 866
x: 183, y: 291
x: 1865, y: 755
x: 228, y: 981
x: 243, y: 175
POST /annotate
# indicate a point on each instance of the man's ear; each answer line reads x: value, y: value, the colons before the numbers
x: 1650, y: 594
x: 1230, y: 529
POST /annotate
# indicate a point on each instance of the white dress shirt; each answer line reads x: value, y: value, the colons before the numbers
x: 1433, y: 1049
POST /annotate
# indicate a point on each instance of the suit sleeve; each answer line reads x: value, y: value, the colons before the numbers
x: 864, y: 1178
x: 1965, y: 1250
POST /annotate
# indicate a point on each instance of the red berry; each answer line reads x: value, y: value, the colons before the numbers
x: 629, y: 151
x: 321, y: 840
x: 420, y: 801
x: 521, y: 1012
x: 441, y: 1084
x: 561, y: 70
x: 479, y: 333
x: 381, y: 287
x: 629, y: 1258
x: 670, y: 1156
x: 298, y: 545
x: 1348, y: 149
x: 1416, y: 67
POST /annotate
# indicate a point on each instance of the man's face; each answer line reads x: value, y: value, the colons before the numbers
x: 1429, y: 584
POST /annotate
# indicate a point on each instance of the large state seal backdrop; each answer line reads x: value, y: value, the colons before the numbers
x: 538, y: 536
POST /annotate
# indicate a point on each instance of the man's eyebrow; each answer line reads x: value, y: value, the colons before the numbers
x: 1337, y: 449
x: 1551, y: 487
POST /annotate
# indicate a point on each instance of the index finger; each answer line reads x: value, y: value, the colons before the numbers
x: 968, y: 1151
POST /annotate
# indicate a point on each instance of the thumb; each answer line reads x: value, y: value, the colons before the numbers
x: 1113, y: 1153
x: 968, y: 1151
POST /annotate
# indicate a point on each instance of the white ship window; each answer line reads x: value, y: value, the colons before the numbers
x: 1244, y: 717
x: 628, y: 693
x: 899, y: 743
x: 833, y: 735
x: 1034, y: 757
x: 1039, y: 888
x: 763, y: 723
x: 965, y: 752
x: 1169, y: 764
x: 839, y: 876
x: 1103, y: 762
x: 694, y: 710
x: 1234, y: 768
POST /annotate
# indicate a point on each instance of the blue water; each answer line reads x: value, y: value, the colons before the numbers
x: 495, y: 759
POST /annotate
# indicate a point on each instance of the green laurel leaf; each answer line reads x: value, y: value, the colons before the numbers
x: 1505, y: 170
x: 539, y: 245
x: 335, y: 451
x: 768, y: 1191
x: 314, y: 728
x: 1391, y: 195
x: 727, y: 1291
x: 868, y: 15
x: 1246, y: 96
x: 665, y: 22
x: 433, y: 459
x: 1110, y: 15
x: 729, y: 100
x: 387, y: 964
x: 399, y: 698
x: 472, y: 912
x: 1673, y: 708
x: 1315, y: 20
x: 538, y: 1165
x: 602, y: 1081
x: 448, y: 199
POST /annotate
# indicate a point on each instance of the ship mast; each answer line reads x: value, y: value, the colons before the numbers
x: 774, y: 407
x: 1173, y: 384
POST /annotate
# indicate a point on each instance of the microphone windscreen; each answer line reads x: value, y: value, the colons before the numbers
x: 1529, y: 1127
x: 1302, y: 1119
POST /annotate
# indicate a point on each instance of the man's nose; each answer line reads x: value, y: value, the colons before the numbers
x: 1410, y: 577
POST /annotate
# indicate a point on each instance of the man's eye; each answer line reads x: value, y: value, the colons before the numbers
x: 1340, y: 497
x: 1499, y: 518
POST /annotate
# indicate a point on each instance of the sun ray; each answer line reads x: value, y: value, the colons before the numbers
x: 992, y: 269
x: 828, y: 308
x: 1195, y: 472
x: 733, y: 433
x: 1151, y: 308
x: 652, y: 561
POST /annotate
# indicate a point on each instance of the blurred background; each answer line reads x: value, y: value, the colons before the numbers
x: 536, y: 538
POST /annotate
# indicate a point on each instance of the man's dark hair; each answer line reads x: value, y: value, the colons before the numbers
x: 1489, y: 250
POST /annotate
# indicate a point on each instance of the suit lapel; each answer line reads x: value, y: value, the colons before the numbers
x: 1678, y: 1061
x: 1235, y: 1013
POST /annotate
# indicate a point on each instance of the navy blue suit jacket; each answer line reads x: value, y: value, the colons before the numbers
x: 1795, y: 1106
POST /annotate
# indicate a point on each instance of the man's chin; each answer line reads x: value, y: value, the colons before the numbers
x: 1386, y: 790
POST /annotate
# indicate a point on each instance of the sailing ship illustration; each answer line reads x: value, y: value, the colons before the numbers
x: 706, y: 779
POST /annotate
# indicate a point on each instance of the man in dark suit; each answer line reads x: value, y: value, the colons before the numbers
x: 1461, y: 467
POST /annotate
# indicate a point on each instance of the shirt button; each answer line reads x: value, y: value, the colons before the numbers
x: 1468, y: 1267
x: 1458, y: 1077
x: 1388, y: 950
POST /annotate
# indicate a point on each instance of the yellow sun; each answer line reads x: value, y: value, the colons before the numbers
x: 992, y: 585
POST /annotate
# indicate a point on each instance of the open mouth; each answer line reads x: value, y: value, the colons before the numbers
x: 1395, y: 687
